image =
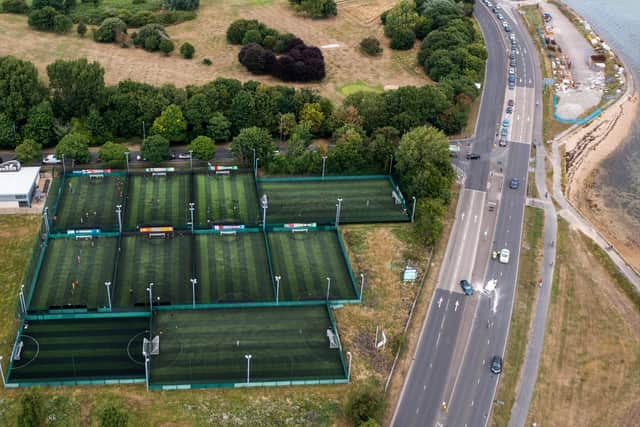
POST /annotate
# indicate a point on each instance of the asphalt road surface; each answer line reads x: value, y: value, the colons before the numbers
x: 449, y: 383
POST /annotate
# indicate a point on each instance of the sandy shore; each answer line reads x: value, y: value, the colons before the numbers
x: 586, y: 147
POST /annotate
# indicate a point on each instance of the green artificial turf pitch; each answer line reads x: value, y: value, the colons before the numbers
x: 166, y: 263
x: 304, y: 260
x: 209, y: 346
x: 73, y: 273
x: 81, y: 349
x: 90, y: 203
x: 158, y: 200
x: 315, y: 201
x: 225, y: 199
x: 232, y: 268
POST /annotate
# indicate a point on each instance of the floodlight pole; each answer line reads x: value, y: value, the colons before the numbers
x: 264, y: 201
x: 278, y: 289
x: 390, y: 163
x: 119, y: 213
x: 328, y: 287
x: 46, y: 219
x: 150, y: 290
x: 64, y: 168
x: 413, y: 211
x: 146, y: 369
x: 349, y: 369
x: 191, y: 159
x: 324, y: 159
x: 254, y: 160
x: 338, y: 208
x: 193, y: 290
x: 23, y: 304
x: 2, y: 373
x: 107, y: 284
x: 255, y: 170
x: 191, y: 209
x: 248, y: 357
x: 361, y: 285
x: 126, y: 156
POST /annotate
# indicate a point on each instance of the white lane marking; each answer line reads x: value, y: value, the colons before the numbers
x: 475, y: 219
x: 457, y: 304
x: 472, y: 403
x: 488, y: 341
x: 438, y: 339
x: 424, y: 387
x: 439, y: 302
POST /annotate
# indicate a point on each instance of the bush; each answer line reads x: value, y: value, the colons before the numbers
x: 142, y: 18
x: 257, y: 59
x: 180, y: 4
x: 166, y: 46
x: 316, y: 8
x: 238, y: 29
x: 62, y: 23
x: 175, y: 17
x: 252, y: 36
x: 81, y: 29
x: 149, y: 37
x: 187, y: 50
x: 151, y: 44
x: 207, y: 61
x: 112, y: 416
x: 42, y: 19
x: 370, y: 46
x: 15, y: 6
x: 110, y: 30
x: 403, y: 39
x: 364, y: 405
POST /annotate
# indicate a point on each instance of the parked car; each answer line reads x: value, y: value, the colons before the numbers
x: 505, y: 122
x: 466, y: 287
x: 514, y: 184
x: 50, y: 159
x: 496, y: 364
x: 509, y: 110
x: 472, y: 156
x: 503, y: 142
x: 512, y: 63
x: 504, y: 132
x: 185, y: 155
x: 511, y: 103
x: 504, y: 256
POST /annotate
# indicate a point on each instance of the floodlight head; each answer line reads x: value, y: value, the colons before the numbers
x: 107, y: 283
x: 264, y: 201
x: 247, y: 356
x: 278, y: 277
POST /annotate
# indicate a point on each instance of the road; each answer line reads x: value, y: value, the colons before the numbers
x: 449, y: 383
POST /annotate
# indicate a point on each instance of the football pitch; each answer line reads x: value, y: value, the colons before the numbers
x: 225, y: 199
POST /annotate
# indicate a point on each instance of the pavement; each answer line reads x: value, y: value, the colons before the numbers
x: 449, y: 382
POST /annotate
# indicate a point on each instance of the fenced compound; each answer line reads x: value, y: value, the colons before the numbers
x: 207, y: 348
x: 364, y: 199
x: 311, y: 265
x: 89, y: 202
x: 225, y: 199
x: 79, y: 351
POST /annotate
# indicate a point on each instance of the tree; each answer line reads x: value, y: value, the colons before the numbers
x: 286, y: 124
x: 28, y: 151
x: 20, y: 88
x: 166, y: 46
x: 428, y: 222
x: 155, y: 149
x: 113, y: 154
x: 171, y: 124
x: 15, y: 6
x: 364, y: 404
x: 110, y: 30
x: 7, y: 134
x: 62, y: 23
x: 42, y: 19
x: 76, y: 86
x: 40, y: 124
x: 257, y: 59
x: 149, y: 36
x: 313, y: 114
x: 424, y: 165
x: 403, y: 16
x: 317, y: 8
x: 81, y: 29
x: 203, y: 148
x: 243, y: 111
x: 402, y: 39
x: 112, y: 416
x: 33, y: 413
x: 74, y: 146
x: 187, y: 50
x: 180, y: 4
x: 219, y: 128
x: 348, y: 154
x: 249, y: 139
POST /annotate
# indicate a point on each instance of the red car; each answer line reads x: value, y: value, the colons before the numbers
x: 510, y: 103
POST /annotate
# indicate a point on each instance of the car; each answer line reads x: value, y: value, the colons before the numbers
x: 503, y: 142
x: 514, y: 184
x: 472, y: 156
x: 512, y: 71
x: 512, y: 85
x: 505, y: 122
x: 511, y: 103
x: 498, y: 7
x: 500, y: 17
x: 185, y: 155
x: 466, y: 287
x: 50, y: 159
x: 509, y: 110
x: 514, y: 42
x: 512, y: 63
x: 507, y: 28
x: 504, y: 132
x: 504, y: 256
x: 512, y: 55
x: 496, y: 365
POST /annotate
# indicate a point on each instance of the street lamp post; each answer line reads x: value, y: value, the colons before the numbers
x: 150, y: 290
x: 328, y: 287
x: 278, y: 288
x: 413, y: 210
x: 191, y: 159
x: 349, y: 369
x: 361, y: 285
x: 126, y: 157
x: 2, y: 373
x: 248, y: 357
x: 193, y: 290
x: 324, y: 159
x: 119, y: 213
x: 255, y: 171
x: 264, y: 202
x: 107, y: 284
x: 191, y: 209
x: 338, y: 208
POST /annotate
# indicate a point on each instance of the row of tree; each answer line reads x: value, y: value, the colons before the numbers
x: 316, y: 9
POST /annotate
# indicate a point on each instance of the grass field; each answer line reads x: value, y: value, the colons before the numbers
x: 73, y: 273
x: 285, y: 343
x: 67, y: 350
x: 232, y: 268
x: 359, y: 86
x: 315, y: 201
x: 160, y: 200
x: 304, y: 261
x: 89, y: 203
x: 225, y: 199
x: 166, y: 263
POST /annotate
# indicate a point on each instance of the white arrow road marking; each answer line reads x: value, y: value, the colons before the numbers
x: 457, y: 304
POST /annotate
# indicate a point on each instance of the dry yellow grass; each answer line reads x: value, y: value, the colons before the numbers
x: 355, y: 20
x: 590, y: 368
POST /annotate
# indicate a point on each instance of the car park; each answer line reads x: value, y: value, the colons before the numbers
x: 514, y: 184
x: 466, y: 287
x: 496, y: 364
x: 504, y: 256
x: 51, y: 159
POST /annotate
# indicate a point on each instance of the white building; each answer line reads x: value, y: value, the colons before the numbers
x: 17, y: 185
